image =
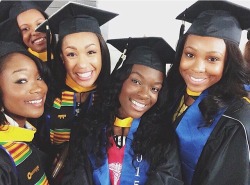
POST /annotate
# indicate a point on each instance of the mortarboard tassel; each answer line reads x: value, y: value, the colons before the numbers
x: 182, y: 29
x: 48, y: 43
x: 122, y: 57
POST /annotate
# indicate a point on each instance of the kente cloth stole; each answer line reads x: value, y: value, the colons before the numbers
x: 19, y: 152
x: 59, y: 136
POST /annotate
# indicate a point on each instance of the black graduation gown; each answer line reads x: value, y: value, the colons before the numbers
x: 18, y: 175
x: 224, y: 159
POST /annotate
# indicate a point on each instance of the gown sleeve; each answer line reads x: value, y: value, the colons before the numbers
x: 225, y: 159
x: 7, y: 172
x: 169, y: 172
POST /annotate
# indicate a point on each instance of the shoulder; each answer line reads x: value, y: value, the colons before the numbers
x: 239, y: 111
x: 7, y: 170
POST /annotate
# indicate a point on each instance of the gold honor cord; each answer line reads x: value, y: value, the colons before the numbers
x: 127, y: 122
x: 73, y: 85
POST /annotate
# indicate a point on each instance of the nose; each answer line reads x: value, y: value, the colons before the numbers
x: 200, y: 66
x: 83, y: 61
x: 143, y: 92
x: 36, y: 88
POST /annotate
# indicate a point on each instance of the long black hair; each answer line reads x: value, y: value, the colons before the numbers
x: 220, y: 95
x: 151, y: 139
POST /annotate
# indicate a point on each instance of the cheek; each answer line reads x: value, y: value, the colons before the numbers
x: 216, y: 71
x: 183, y: 66
x: 154, y: 98
x: 69, y: 65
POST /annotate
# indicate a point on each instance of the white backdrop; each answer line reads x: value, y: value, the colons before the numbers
x: 138, y: 18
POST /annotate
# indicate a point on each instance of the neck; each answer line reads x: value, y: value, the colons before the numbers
x: 76, y: 87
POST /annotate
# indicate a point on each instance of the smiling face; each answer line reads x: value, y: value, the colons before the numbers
x: 202, y: 62
x: 23, y: 90
x: 81, y: 54
x: 27, y: 22
x: 139, y: 91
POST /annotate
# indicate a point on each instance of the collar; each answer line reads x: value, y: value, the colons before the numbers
x: 13, y: 132
x: 123, y: 122
x: 42, y: 56
x: 76, y: 87
x: 192, y: 93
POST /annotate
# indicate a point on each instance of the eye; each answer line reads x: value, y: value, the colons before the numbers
x: 40, y: 78
x: 21, y: 81
x: 71, y: 54
x: 155, y: 89
x: 91, y: 52
x: 189, y: 55
x: 24, y: 29
x: 135, y: 81
x: 213, y: 59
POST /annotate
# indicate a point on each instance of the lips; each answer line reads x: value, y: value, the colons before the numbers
x: 197, y: 79
x: 138, y: 106
x: 39, y: 40
x: 85, y: 75
x: 35, y: 101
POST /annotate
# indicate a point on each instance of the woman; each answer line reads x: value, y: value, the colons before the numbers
x: 83, y: 66
x: 26, y: 16
x: 207, y: 100
x: 246, y: 55
x: 23, y: 93
x: 128, y: 140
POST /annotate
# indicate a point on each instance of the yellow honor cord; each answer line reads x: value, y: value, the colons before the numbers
x: 42, y: 56
x: 13, y: 133
x: 73, y: 85
x: 127, y: 122
x: 247, y: 99
x: 192, y: 93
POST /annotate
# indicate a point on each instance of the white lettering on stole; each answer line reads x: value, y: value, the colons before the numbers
x: 137, y: 174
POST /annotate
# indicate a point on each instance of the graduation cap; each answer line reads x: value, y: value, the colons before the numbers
x: 13, y: 47
x: 153, y: 52
x: 220, y: 19
x: 9, y: 32
x: 10, y: 9
x: 74, y: 17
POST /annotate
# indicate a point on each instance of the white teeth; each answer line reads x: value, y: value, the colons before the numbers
x: 138, y: 104
x: 38, y: 40
x: 35, y: 101
x: 197, y: 79
x: 84, y: 75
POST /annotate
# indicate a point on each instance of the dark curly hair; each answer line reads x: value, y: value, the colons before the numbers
x: 220, y: 95
x: 151, y: 139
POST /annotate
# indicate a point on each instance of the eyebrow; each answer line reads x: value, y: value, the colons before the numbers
x: 135, y: 72
x: 19, y: 70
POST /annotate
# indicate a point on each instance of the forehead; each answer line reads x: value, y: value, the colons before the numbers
x: 210, y: 43
x: 29, y: 14
x: 80, y: 38
x: 147, y: 72
x: 16, y: 61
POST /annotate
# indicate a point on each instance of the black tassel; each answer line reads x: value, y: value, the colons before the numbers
x: 48, y: 43
x: 248, y: 35
x: 182, y: 29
